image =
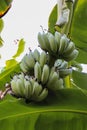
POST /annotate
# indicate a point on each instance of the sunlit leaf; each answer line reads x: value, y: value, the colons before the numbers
x: 21, y: 46
x: 1, y: 42
x: 52, y: 19
x: 4, y: 7
x: 66, y: 111
x: 1, y: 25
x: 6, y: 75
x: 10, y: 63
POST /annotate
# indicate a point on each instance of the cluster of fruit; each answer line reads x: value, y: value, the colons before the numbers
x: 38, y: 77
x: 58, y: 45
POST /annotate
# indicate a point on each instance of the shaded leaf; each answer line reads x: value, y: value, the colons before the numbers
x: 21, y: 46
x: 66, y: 111
x: 80, y: 79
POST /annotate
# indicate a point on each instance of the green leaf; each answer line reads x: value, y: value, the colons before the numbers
x: 80, y: 79
x: 10, y: 63
x: 79, y: 29
x: 52, y: 19
x: 66, y: 111
x: 4, y: 7
x: 5, y: 76
x: 21, y: 46
x: 1, y: 25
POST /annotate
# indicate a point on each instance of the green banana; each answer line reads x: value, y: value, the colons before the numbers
x: 65, y: 72
x: 46, y: 40
x: 69, y: 49
x: 63, y: 44
x: 36, y: 55
x: 42, y: 96
x: 28, y: 89
x: 60, y: 64
x: 43, y: 58
x: 23, y: 66
x: 72, y: 56
x: 29, y: 60
x: 36, y: 89
x: 53, y: 78
x: 14, y: 88
x: 41, y: 41
x: 52, y: 42
x: 57, y: 37
x: 58, y: 85
x: 21, y: 87
x: 45, y: 74
x: 37, y: 72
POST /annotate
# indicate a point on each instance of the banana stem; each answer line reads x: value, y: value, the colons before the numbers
x: 67, y: 81
x: 67, y: 26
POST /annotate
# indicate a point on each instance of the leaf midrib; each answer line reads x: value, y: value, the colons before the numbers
x: 45, y: 111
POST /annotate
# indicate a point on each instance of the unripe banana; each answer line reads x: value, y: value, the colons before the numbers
x: 69, y: 49
x: 65, y: 72
x: 45, y: 74
x: 64, y: 65
x: 36, y: 55
x: 57, y: 39
x: 72, y: 56
x: 28, y: 89
x: 58, y: 85
x: 21, y: 87
x: 43, y: 58
x: 52, y: 42
x: 14, y: 88
x: 37, y: 72
x: 60, y: 64
x: 41, y: 41
x: 52, y: 80
x: 27, y: 63
x: 63, y: 44
x: 23, y: 66
x: 29, y: 60
x: 42, y: 96
x: 46, y: 40
x: 36, y: 89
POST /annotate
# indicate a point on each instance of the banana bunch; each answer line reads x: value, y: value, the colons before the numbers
x: 48, y: 77
x: 61, y: 67
x: 28, y: 62
x: 57, y: 45
x: 54, y: 82
x: 25, y: 87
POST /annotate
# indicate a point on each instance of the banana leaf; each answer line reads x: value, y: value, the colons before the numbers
x: 4, y: 7
x: 65, y: 111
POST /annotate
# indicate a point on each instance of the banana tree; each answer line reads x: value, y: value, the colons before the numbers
x: 50, y: 92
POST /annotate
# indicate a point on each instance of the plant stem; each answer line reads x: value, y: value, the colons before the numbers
x: 67, y: 26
